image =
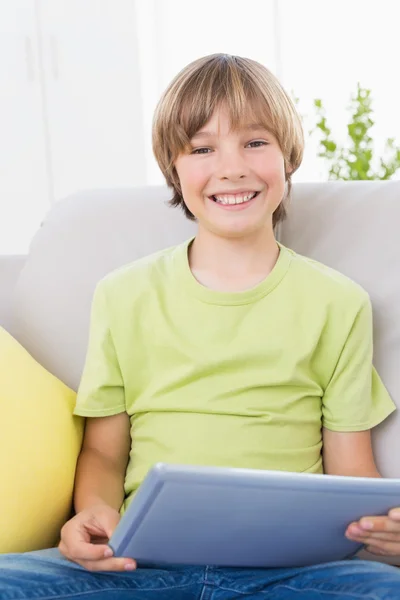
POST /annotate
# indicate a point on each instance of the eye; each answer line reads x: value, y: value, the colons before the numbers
x: 200, y: 151
x: 259, y: 143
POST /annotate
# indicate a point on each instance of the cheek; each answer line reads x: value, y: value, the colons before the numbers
x: 273, y: 169
x: 193, y: 180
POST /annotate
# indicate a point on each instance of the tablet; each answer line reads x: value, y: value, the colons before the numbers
x: 246, y: 518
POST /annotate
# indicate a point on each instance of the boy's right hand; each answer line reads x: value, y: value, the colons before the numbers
x: 84, y: 540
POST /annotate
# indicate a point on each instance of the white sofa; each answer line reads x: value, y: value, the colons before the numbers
x: 45, y: 297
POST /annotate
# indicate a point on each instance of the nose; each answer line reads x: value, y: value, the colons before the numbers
x: 231, y: 165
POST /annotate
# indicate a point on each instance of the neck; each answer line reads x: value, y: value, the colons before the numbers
x: 233, y: 264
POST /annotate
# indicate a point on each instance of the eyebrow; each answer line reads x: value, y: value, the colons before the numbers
x: 250, y: 127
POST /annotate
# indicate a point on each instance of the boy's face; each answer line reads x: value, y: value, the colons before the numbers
x: 223, y: 170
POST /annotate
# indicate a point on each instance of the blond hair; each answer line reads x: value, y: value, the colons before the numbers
x: 247, y: 89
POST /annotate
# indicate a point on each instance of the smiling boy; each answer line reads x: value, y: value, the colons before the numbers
x: 227, y: 350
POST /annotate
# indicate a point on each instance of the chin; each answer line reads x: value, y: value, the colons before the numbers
x: 237, y: 232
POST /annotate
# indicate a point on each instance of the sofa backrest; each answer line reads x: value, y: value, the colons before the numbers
x: 83, y: 238
x: 351, y: 226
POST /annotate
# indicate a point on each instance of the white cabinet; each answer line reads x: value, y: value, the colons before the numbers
x: 24, y: 191
x: 70, y: 106
x: 93, y: 93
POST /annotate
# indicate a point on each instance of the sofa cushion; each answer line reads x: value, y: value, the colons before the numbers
x: 39, y: 445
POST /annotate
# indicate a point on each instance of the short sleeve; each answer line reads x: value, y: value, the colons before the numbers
x: 101, y: 390
x: 355, y: 398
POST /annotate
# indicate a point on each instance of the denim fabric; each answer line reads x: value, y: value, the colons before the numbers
x: 47, y: 575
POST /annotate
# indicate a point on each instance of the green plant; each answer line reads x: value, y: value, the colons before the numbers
x: 355, y: 160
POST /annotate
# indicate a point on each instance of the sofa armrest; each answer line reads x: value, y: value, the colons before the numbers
x: 10, y: 268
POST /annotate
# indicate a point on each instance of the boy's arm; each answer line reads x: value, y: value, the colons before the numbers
x: 105, y: 451
x: 348, y: 453
x: 100, y: 474
x: 99, y: 493
x: 102, y: 462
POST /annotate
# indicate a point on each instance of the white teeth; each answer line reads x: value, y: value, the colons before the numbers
x: 237, y: 199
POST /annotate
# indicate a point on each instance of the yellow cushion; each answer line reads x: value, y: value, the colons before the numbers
x: 40, y: 441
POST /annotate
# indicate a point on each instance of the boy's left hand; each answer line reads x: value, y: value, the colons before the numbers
x: 381, y: 535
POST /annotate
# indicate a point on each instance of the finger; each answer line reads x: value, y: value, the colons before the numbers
x: 384, y: 548
x: 384, y: 537
x: 84, y: 551
x: 368, y: 537
x: 374, y: 550
x: 74, y: 533
x: 389, y: 547
x: 394, y: 514
x: 378, y: 524
x: 355, y: 531
x: 109, y: 564
x: 102, y: 563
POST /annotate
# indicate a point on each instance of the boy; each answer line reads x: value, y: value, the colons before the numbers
x: 227, y: 350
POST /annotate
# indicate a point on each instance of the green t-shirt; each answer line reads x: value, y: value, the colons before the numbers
x: 241, y: 379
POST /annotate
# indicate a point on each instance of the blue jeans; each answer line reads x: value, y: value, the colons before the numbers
x: 47, y: 575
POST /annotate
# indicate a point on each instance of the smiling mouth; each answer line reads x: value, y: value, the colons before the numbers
x: 234, y: 199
